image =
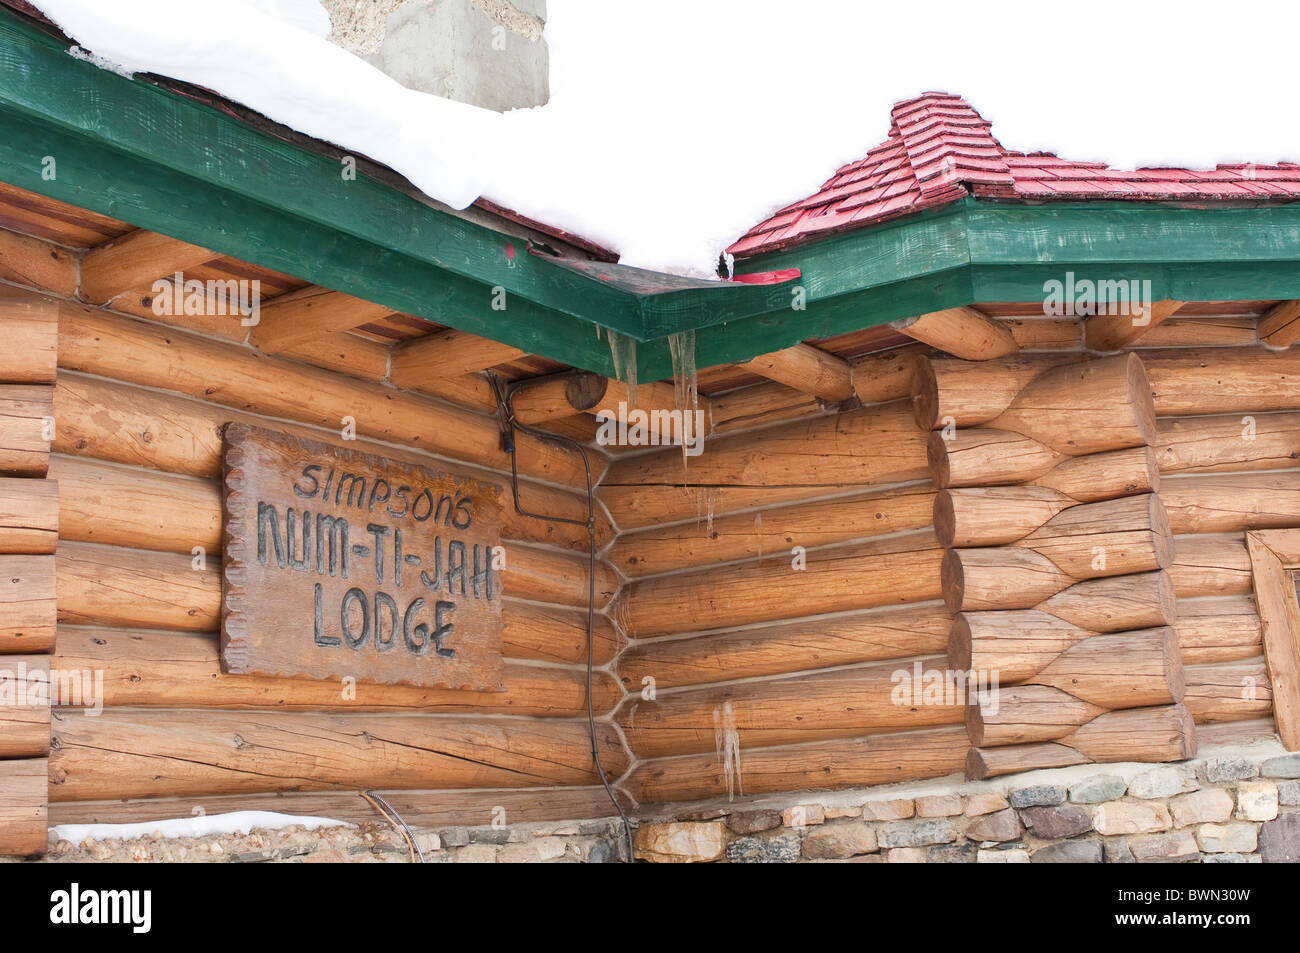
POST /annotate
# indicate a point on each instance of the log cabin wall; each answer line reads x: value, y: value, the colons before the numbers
x: 746, y: 674
x: 778, y: 582
x: 136, y: 450
x: 29, y: 518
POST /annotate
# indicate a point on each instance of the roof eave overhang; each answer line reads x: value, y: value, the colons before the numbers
x: 133, y: 150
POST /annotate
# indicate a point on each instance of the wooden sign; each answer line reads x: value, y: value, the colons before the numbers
x: 339, y: 563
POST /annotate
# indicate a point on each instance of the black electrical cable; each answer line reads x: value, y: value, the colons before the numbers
x: 505, y: 394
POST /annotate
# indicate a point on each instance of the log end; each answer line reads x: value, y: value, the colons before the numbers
x: 952, y: 579
x: 936, y: 455
x: 1175, y: 676
x: 977, y: 768
x: 925, y: 395
x: 959, y: 643
x: 1162, y: 534
x: 585, y: 390
x: 974, y: 725
x: 1186, y: 731
x: 1141, y: 398
x: 945, y: 519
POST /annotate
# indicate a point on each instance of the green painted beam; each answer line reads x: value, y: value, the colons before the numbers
x: 133, y: 150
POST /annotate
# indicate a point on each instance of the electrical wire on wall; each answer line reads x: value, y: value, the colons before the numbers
x: 505, y: 393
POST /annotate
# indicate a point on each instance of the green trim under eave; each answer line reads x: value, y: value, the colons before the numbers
x: 150, y: 156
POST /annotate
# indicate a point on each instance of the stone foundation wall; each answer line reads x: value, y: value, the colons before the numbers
x: 1237, y: 808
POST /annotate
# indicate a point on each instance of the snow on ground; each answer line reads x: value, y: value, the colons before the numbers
x: 676, y: 125
x: 236, y: 822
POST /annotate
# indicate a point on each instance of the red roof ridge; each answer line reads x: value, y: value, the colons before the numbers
x: 940, y: 149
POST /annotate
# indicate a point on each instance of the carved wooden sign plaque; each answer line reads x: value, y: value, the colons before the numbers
x: 339, y: 563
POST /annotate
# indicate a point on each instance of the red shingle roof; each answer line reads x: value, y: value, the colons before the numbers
x: 940, y: 149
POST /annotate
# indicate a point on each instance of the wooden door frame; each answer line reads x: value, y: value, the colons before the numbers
x: 1273, y: 553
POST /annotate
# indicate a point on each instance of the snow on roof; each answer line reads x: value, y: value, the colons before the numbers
x: 940, y: 149
x: 672, y: 129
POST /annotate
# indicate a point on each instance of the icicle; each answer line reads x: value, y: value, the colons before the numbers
x: 686, y: 396
x: 622, y: 349
x: 726, y: 740
x: 758, y: 533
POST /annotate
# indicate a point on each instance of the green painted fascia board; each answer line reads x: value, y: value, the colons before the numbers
x: 133, y: 150
x: 1129, y: 233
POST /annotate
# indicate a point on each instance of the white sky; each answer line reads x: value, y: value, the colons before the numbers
x: 674, y: 125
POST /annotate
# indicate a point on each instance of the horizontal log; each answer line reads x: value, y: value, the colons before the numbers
x: 1016, y: 644
x: 23, y: 803
x: 1027, y: 714
x: 242, y: 379
x: 1184, y: 382
x: 29, y: 515
x: 124, y: 424
x: 954, y: 393
x: 772, y: 532
x: 1118, y: 330
x: 791, y: 462
x: 102, y: 503
x: 1104, y: 476
x: 993, y: 516
x: 1198, y: 331
x: 1211, y: 566
x: 309, y: 313
x: 836, y: 579
x: 887, y: 375
x: 37, y: 264
x: 561, y: 395
x: 424, y: 809
x: 556, y: 634
x: 27, y: 603
x: 1116, y: 603
x: 998, y: 577
x: 1227, y: 380
x: 114, y: 586
x: 24, y: 706
x: 815, y: 643
x: 1119, y: 670
x: 962, y: 332
x: 134, y: 260
x: 1117, y: 537
x: 845, y: 703
x: 1152, y: 735
x: 30, y: 324
x: 808, y: 369
x: 108, y: 585
x: 26, y: 423
x: 125, y: 754
x: 1165, y: 733
x: 759, y: 405
x: 986, y: 457
x: 876, y: 759
x: 1092, y: 407
x: 1279, y: 326
x: 1224, y: 503
x: 1229, y: 691
x: 1223, y: 629
x: 1230, y: 442
x: 147, y: 669
x: 550, y: 576
x: 1236, y: 733
x: 447, y: 354
x: 1113, y: 537
x: 1044, y: 333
